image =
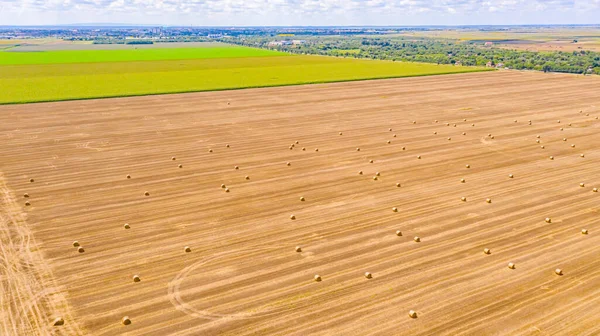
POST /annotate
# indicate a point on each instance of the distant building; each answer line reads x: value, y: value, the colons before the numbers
x: 279, y: 43
x: 489, y: 44
x: 500, y: 65
x: 215, y: 36
x: 458, y: 63
x: 297, y: 42
x: 489, y: 64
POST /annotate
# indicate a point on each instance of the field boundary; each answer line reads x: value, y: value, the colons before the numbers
x: 233, y: 88
x: 29, y: 297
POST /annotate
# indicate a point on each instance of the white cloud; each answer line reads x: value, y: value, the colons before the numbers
x: 296, y: 12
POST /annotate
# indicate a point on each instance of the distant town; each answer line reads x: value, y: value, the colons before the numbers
x: 569, y: 48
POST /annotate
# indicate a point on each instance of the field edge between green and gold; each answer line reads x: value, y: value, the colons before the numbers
x: 53, y: 82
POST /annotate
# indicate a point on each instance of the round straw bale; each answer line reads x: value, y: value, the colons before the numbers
x: 462, y: 180
x: 394, y: 209
x: 173, y: 158
x: 390, y: 129
x: 487, y: 251
x: 236, y: 167
x: 340, y: 133
x: 584, y: 231
x: 317, y: 278
x: 552, y: 158
x: 226, y: 189
x: 542, y: 147
x: 572, y: 146
x: 389, y: 142
x: 398, y: 233
x: 187, y: 249
x: 126, y: 320
x: 468, y: 166
x: 288, y: 163
x: 370, y: 161
x: 247, y: 177
x: 419, y: 157
x: 27, y: 203
x: 398, y: 185
x: 298, y: 249
x: 558, y: 271
x: 128, y: 176
x: 582, y: 155
x: 582, y: 185
x: 26, y: 195
x: 31, y: 180
x: 595, y: 190
x: 464, y: 133
x: 368, y: 275
x: 303, y: 148
x: 223, y: 186
x: 548, y: 220
x: 180, y: 166
x: 210, y: 150
x: 58, y: 321
x: 147, y: 193
x: 412, y: 314
x: 360, y: 172
x: 511, y: 265
x: 417, y: 239
x: 136, y: 278
x: 357, y: 149
x: 126, y: 226
x: 434, y: 132
x: 511, y: 176
x: 76, y: 244
x: 449, y: 138
x: 464, y: 199
x: 375, y: 178
x: 292, y: 217
x: 316, y: 149
x: 80, y: 249
x: 394, y: 135
x: 377, y: 174
x: 489, y: 200
x: 302, y: 199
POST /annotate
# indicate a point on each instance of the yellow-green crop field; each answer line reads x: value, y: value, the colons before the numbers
x: 46, y: 76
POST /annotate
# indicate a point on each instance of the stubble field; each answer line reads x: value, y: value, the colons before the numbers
x: 243, y: 275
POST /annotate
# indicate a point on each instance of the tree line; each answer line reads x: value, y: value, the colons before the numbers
x: 439, y: 51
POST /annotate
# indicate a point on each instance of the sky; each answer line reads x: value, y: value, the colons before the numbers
x: 299, y: 12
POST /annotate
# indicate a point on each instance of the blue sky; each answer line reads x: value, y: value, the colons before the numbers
x: 300, y: 12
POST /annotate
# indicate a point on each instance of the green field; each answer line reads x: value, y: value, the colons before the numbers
x: 97, y: 56
x: 174, y: 71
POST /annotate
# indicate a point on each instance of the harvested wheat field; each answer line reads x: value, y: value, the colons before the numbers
x: 179, y: 214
